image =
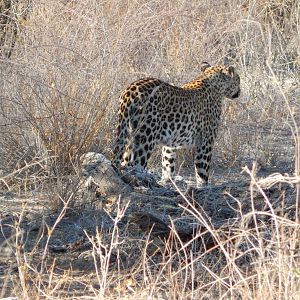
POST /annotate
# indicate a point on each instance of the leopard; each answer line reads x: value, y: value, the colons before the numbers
x: 153, y: 112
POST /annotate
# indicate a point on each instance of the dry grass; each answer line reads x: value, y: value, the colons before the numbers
x: 71, y: 60
x: 254, y: 256
x: 63, y: 65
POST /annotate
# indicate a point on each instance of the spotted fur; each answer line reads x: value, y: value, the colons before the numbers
x: 153, y: 112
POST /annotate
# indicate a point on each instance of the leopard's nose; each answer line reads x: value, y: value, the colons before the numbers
x: 237, y: 94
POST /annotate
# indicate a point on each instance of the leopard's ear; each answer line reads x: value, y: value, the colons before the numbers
x: 231, y: 71
x: 204, y: 66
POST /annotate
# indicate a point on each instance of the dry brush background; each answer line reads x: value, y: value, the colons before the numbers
x: 63, y: 65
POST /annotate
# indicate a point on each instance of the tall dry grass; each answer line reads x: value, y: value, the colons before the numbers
x: 70, y: 61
